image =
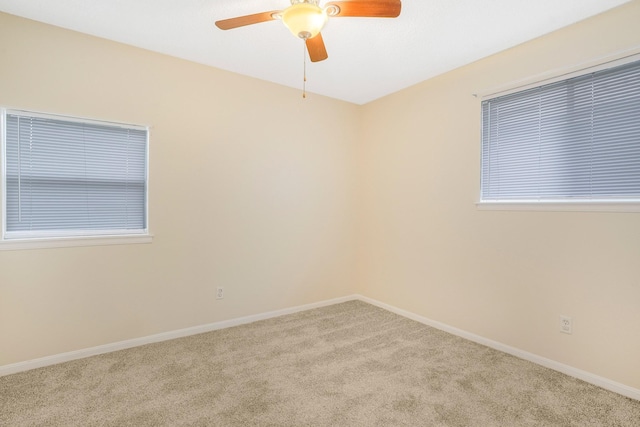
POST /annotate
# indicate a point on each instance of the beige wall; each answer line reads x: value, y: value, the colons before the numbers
x: 235, y: 199
x: 381, y: 203
x: 506, y: 276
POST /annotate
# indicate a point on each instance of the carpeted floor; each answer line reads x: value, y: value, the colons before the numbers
x: 349, y: 364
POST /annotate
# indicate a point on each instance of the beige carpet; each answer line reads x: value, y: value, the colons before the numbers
x: 350, y: 364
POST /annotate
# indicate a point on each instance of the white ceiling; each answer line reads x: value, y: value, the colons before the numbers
x: 368, y: 58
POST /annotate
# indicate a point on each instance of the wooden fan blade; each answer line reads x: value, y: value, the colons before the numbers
x: 366, y: 8
x: 316, y: 49
x: 241, y: 21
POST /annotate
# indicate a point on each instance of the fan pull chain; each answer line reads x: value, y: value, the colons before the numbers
x: 304, y: 70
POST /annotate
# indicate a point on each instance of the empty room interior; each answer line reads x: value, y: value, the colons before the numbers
x: 363, y: 216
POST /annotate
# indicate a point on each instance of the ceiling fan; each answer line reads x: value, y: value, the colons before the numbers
x: 305, y: 18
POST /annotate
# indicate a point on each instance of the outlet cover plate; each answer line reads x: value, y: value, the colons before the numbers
x: 566, y: 325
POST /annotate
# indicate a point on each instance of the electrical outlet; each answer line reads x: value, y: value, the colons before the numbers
x: 566, y: 325
x: 219, y: 293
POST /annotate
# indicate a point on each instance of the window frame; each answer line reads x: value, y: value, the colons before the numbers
x: 70, y: 238
x: 582, y: 205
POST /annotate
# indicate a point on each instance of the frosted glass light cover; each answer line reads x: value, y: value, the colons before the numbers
x: 304, y: 20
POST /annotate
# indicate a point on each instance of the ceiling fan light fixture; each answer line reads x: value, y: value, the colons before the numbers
x: 304, y: 19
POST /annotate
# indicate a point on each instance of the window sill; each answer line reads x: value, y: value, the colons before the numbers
x: 618, y: 206
x: 75, y: 241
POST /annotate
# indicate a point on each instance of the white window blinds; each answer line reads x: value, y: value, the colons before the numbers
x: 574, y: 140
x: 66, y: 177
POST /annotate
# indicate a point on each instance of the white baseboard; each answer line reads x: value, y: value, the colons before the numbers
x: 121, y: 345
x: 605, y: 383
x: 599, y: 381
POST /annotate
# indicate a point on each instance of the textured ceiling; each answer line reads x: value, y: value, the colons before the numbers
x: 368, y: 58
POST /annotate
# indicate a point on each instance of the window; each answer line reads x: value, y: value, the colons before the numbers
x: 65, y: 177
x: 576, y: 140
